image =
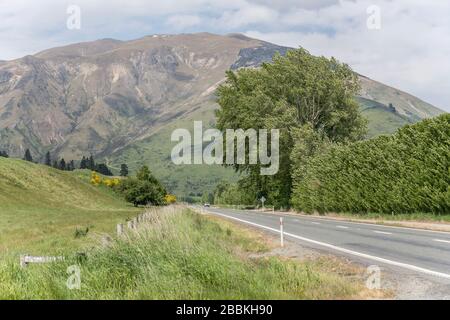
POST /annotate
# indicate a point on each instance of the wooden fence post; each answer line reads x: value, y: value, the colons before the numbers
x: 27, y: 259
x: 120, y: 229
x: 130, y: 224
x: 23, y: 261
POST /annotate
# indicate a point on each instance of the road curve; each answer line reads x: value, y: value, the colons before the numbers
x: 422, y: 251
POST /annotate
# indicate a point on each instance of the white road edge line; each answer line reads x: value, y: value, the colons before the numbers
x: 381, y: 232
x: 378, y: 225
x: 315, y: 222
x: 439, y: 240
x: 342, y: 227
x: 358, y: 254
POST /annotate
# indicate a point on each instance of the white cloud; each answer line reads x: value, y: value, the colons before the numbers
x: 410, y: 51
x: 183, y: 21
x: 247, y: 14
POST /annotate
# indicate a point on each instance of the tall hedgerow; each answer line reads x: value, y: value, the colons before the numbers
x: 404, y: 173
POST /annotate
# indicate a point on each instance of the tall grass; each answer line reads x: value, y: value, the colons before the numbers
x: 179, y: 255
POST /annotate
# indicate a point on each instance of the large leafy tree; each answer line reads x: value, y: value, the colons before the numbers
x: 287, y: 94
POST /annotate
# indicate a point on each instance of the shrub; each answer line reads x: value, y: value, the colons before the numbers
x: 170, y: 199
x: 111, y: 183
x: 81, y: 232
x: 144, y: 189
x: 95, y: 179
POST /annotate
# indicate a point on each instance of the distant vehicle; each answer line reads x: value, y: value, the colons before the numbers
x: 207, y: 205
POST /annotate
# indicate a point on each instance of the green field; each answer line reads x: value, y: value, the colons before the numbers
x: 41, y: 208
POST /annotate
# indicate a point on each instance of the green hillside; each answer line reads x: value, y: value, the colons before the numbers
x: 155, y: 151
x: 381, y: 119
x: 41, y: 208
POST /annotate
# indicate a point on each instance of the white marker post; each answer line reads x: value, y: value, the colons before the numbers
x: 281, y: 232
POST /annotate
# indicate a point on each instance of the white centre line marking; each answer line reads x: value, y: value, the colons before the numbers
x: 381, y: 232
x: 439, y: 240
x: 315, y: 222
x: 342, y: 227
x: 340, y: 249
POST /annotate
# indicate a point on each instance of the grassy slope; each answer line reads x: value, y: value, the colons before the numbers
x: 182, y: 255
x: 40, y: 207
x: 406, y: 104
x: 381, y: 120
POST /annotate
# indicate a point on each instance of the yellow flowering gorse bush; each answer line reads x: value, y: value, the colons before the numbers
x: 170, y: 198
x: 109, y: 182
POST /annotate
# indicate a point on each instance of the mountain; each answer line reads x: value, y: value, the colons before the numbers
x: 120, y: 100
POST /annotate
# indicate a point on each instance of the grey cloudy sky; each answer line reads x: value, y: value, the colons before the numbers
x: 411, y: 50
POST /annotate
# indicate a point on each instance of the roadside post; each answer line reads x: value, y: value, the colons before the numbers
x: 281, y: 232
x: 120, y: 229
x: 263, y: 199
x: 130, y: 224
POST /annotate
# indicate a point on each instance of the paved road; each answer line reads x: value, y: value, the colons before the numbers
x: 416, y: 250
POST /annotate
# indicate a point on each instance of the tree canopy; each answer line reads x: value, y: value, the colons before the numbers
x: 294, y: 91
x: 144, y: 189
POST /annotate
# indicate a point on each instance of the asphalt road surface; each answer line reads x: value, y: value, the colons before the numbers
x: 419, y: 251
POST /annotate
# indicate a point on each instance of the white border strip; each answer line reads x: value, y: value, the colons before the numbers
x: 439, y: 240
x: 381, y: 232
x: 329, y: 219
x: 358, y: 254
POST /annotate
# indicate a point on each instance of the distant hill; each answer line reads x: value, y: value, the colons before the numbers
x: 118, y: 99
x: 388, y: 108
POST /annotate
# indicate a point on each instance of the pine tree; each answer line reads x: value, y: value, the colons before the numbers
x: 4, y: 154
x: 28, y: 156
x: 83, y: 163
x: 124, y: 170
x: 62, y: 164
x: 103, y: 169
x: 55, y: 164
x: 48, y: 160
x: 71, y: 166
x: 91, y: 163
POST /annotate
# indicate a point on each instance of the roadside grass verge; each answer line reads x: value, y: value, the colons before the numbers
x: 179, y: 255
x: 413, y: 217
